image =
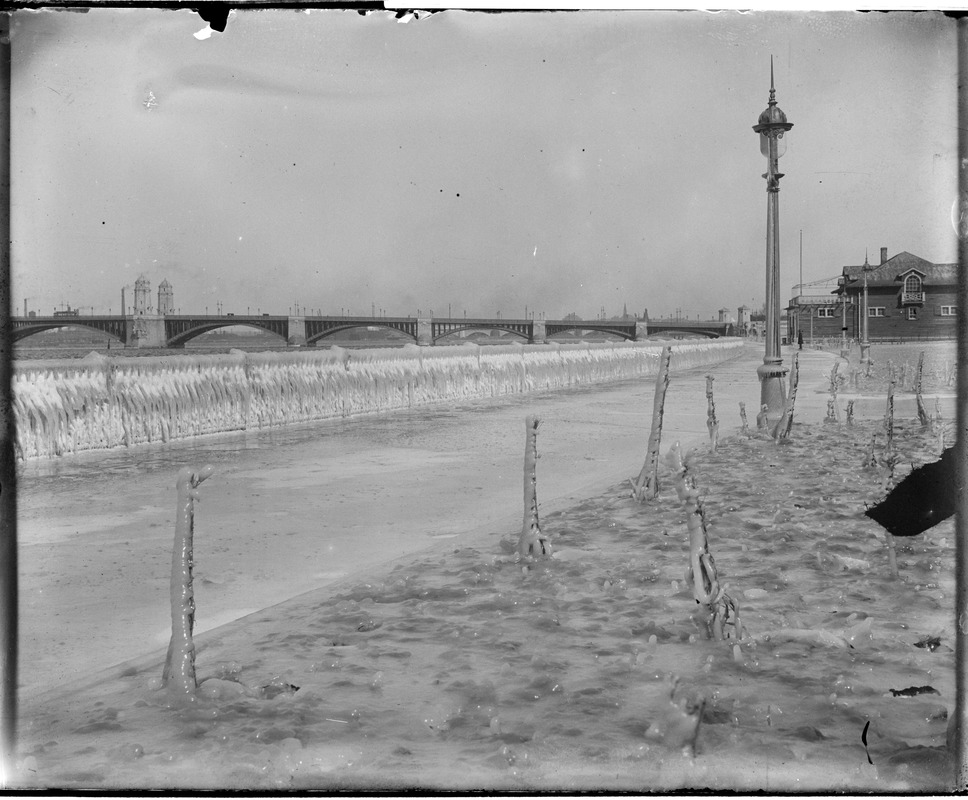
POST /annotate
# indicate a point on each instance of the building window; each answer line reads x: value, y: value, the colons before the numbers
x: 949, y: 311
x: 825, y: 312
x: 912, y: 313
x: 912, y: 291
x: 875, y: 311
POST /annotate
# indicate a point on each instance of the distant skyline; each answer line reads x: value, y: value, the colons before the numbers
x: 560, y: 162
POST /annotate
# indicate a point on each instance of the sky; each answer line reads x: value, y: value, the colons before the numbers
x: 469, y: 162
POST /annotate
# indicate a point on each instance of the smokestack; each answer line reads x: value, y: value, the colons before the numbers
x: 124, y: 308
x: 883, y: 255
x: 25, y: 306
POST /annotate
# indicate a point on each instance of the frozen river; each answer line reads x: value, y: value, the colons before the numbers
x: 293, y: 509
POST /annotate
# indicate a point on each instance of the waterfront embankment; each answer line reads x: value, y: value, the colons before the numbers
x: 97, y: 403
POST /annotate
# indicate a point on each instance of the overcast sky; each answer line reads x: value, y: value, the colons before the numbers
x: 562, y: 162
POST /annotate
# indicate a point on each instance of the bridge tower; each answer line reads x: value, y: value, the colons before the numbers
x: 145, y: 328
x: 742, y: 316
x: 166, y: 298
x: 142, y: 296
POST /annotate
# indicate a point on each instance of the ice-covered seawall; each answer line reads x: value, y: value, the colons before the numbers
x: 97, y: 403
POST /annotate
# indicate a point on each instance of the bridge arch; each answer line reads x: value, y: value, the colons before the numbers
x: 317, y: 329
x: 684, y: 332
x: 180, y: 331
x: 30, y: 326
x: 624, y: 331
x: 451, y: 329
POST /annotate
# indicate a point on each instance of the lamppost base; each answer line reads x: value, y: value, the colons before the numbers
x: 865, y: 352
x: 772, y: 391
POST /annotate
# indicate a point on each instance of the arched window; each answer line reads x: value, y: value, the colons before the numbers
x: 912, y: 285
x: 913, y: 291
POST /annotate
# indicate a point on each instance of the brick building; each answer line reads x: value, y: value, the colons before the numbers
x: 908, y: 299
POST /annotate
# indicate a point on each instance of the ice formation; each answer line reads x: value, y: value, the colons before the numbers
x: 646, y: 486
x: 96, y: 402
x: 179, y: 671
x: 532, y: 543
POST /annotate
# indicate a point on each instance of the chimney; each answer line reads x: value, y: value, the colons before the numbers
x: 883, y: 255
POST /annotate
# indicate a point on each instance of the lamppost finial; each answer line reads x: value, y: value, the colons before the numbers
x: 772, y: 90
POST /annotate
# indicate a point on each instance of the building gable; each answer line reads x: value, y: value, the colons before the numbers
x: 894, y: 270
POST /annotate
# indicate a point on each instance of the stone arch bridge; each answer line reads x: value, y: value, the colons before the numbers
x: 174, y: 330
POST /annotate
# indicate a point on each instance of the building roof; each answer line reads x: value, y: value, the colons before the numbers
x: 892, y: 271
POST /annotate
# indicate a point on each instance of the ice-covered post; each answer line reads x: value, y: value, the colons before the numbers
x: 922, y: 412
x: 742, y: 416
x: 718, y: 611
x: 890, y: 461
x: 711, y: 422
x: 646, y: 486
x: 532, y: 542
x: 835, y: 381
x: 889, y: 420
x: 870, y: 458
x: 179, y: 672
x: 783, y: 427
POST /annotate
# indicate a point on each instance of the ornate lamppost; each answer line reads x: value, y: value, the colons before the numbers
x: 771, y: 127
x: 865, y: 345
